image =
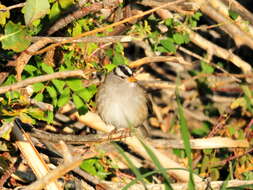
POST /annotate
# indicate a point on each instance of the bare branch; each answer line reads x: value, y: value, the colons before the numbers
x: 12, y: 7
x: 95, y: 39
x: 108, y: 26
x: 43, y: 78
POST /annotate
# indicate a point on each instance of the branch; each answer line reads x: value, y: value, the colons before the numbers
x: 24, y: 57
x: 211, y: 47
x: 43, y: 78
x: 206, y: 143
x: 153, y: 59
x: 94, y: 121
x: 95, y: 39
x: 59, y: 171
x: 215, y: 185
x: 107, y: 27
x: 74, y: 16
x: 12, y: 7
x: 77, y: 139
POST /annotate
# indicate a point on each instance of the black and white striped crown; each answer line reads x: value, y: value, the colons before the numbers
x: 123, y: 71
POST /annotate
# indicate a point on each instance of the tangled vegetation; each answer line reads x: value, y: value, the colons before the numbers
x: 194, y: 59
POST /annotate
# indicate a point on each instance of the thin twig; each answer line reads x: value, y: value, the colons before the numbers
x: 235, y: 157
x: 107, y: 27
x: 12, y: 7
x: 94, y: 7
x: 145, y: 60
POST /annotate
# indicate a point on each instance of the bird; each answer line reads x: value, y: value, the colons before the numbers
x: 121, y: 101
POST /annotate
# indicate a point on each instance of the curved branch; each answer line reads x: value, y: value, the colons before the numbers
x: 29, y: 81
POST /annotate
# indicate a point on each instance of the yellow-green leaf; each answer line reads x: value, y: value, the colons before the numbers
x: 3, y: 15
x: 15, y: 37
x: 35, y: 9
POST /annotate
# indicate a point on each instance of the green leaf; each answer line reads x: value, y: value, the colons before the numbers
x: 11, y: 95
x: 15, y: 37
x: 169, y: 22
x: 118, y: 59
x: 197, y: 15
x: 35, y: 9
x: 91, y: 47
x: 59, y: 84
x: 10, y: 80
x: 30, y: 69
x: 49, y: 116
x: 55, y: 12
x: 94, y: 167
x: 193, y: 23
x: 75, y: 84
x: 77, y: 29
x: 169, y: 45
x: 46, y: 68
x: 53, y: 94
x: 38, y: 86
x: 4, y: 15
x: 118, y: 48
x: 233, y: 15
x: 206, y: 68
x: 80, y: 105
x: 87, y: 93
x: 86, y: 24
x: 26, y: 118
x: 68, y: 60
x: 36, y: 113
x: 161, y: 49
x: 186, y: 38
x: 109, y: 52
x: 64, y: 98
x: 66, y: 3
x: 39, y: 97
x: 178, y: 38
x: 109, y: 67
x: 78, y: 101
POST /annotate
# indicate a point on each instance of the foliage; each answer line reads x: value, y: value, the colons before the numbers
x: 94, y: 167
x: 191, y: 111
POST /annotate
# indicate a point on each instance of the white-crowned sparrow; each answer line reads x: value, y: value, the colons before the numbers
x: 120, y: 100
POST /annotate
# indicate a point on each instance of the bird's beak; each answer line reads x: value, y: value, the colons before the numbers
x: 132, y: 79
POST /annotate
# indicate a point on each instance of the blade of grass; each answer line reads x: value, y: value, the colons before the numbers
x: 147, y: 175
x: 224, y: 184
x: 186, y: 138
x: 140, y: 178
x: 130, y: 164
x: 158, y: 165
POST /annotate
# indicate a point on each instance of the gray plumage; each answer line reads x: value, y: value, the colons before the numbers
x: 120, y: 102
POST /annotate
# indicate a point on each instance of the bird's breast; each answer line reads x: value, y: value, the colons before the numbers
x: 124, y: 106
